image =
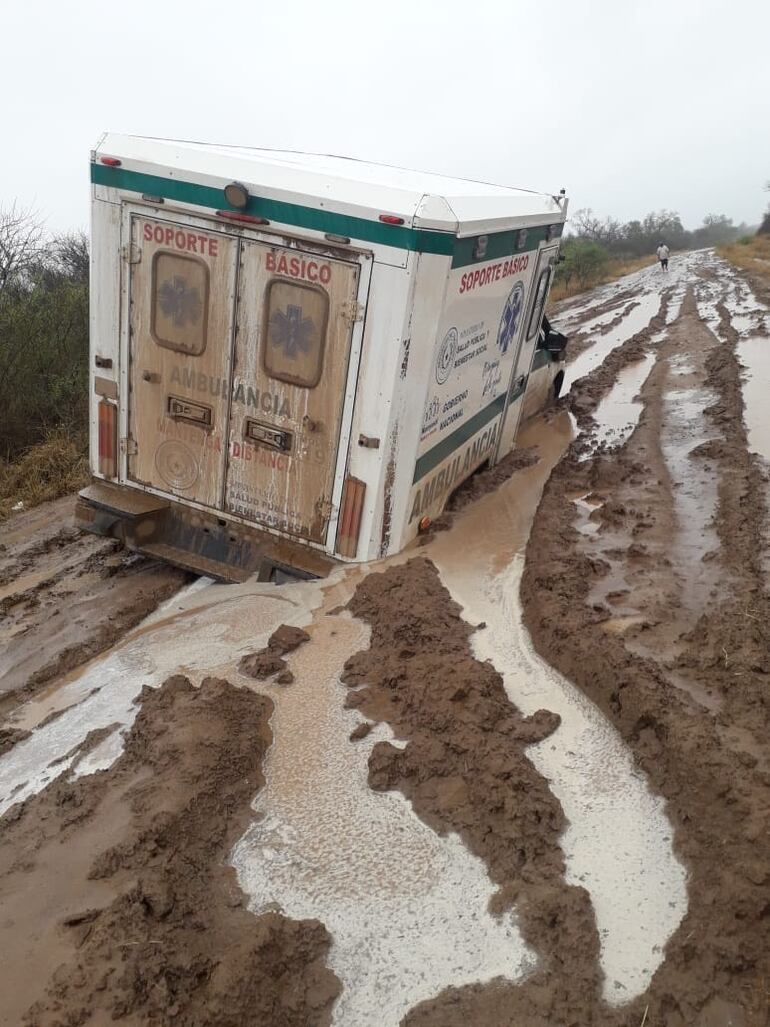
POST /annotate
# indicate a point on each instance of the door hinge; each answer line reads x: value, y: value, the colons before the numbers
x: 132, y: 253
x: 128, y: 446
x: 352, y: 311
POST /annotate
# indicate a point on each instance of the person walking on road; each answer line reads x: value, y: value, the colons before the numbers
x: 662, y: 252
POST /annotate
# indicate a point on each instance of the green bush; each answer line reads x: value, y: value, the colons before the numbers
x: 43, y: 335
x: 583, y: 262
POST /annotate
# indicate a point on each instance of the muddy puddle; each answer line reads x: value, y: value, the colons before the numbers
x: 685, y: 426
x: 635, y: 321
x: 618, y: 844
x: 407, y: 909
x: 754, y: 355
x: 618, y: 413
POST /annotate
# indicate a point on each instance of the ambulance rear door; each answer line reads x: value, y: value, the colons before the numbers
x: 295, y: 316
x: 180, y: 326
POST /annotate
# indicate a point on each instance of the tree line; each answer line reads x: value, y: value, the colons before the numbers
x: 594, y: 244
x: 43, y: 332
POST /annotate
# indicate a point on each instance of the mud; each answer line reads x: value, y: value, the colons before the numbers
x: 269, y: 660
x: 644, y: 585
x: 464, y: 769
x: 10, y: 736
x: 588, y: 331
x: 66, y: 596
x: 152, y: 927
x: 686, y: 682
x: 586, y: 392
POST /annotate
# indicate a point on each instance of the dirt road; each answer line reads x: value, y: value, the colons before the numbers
x: 66, y: 596
x: 519, y: 777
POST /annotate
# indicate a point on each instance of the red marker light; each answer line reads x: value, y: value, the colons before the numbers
x: 108, y: 439
x: 111, y: 162
x: 391, y: 219
x: 233, y: 215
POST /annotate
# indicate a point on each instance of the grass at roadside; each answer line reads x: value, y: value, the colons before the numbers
x: 613, y: 270
x: 752, y: 253
x: 52, y: 468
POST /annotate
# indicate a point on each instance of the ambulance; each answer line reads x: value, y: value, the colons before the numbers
x: 296, y: 358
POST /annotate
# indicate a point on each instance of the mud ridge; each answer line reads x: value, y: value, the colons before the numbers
x: 269, y: 660
x: 580, y: 341
x: 716, y: 967
x: 465, y: 769
x: 153, y: 928
x: 731, y: 641
x: 586, y: 393
x: 562, y: 309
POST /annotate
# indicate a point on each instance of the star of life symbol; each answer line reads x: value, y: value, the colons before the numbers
x: 510, y: 319
x: 291, y: 332
x: 180, y: 302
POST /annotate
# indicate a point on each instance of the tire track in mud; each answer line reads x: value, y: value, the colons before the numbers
x: 564, y: 311
x: 704, y: 761
x: 66, y: 596
x: 586, y: 393
x: 731, y: 641
x: 465, y: 769
x: 581, y: 339
x: 152, y: 927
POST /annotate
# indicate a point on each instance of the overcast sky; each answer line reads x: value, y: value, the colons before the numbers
x: 631, y: 106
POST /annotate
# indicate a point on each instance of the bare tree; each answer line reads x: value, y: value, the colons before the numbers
x: 21, y: 243
x: 70, y: 252
x: 586, y: 224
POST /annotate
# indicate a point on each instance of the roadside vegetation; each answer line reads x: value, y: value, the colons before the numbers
x: 43, y: 360
x: 751, y: 253
x: 598, y: 251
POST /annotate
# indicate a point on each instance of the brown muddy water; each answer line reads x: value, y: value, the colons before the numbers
x: 618, y: 842
x: 407, y: 908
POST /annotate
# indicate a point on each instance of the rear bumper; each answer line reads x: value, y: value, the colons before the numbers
x: 200, y: 542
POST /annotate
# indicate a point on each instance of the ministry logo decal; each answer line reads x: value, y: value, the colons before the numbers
x: 446, y: 356
x: 509, y: 322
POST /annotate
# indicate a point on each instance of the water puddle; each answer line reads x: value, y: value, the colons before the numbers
x: 618, y: 842
x: 590, y: 358
x: 754, y: 354
x: 210, y: 628
x: 618, y: 413
x: 681, y: 366
x: 407, y: 909
x: 695, y: 498
x: 596, y: 324
x: 619, y: 625
x: 584, y: 508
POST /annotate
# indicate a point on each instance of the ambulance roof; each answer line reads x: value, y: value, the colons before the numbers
x: 338, y: 184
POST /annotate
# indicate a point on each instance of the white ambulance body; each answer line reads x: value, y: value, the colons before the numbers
x: 295, y: 359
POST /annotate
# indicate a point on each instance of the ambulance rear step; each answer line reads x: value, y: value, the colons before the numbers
x: 202, y: 542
